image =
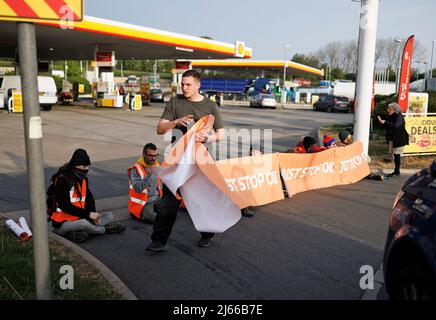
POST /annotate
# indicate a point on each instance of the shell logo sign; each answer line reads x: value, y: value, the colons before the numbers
x: 239, y: 49
x: 37, y: 10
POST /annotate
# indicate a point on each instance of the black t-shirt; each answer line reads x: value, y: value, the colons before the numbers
x: 179, y: 107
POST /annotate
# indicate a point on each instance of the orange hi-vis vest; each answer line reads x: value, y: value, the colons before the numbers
x: 137, y: 200
x: 76, y: 200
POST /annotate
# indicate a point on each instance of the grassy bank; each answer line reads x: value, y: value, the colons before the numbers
x: 17, y: 272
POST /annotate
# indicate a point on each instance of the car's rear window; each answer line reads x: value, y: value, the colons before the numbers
x: 342, y: 99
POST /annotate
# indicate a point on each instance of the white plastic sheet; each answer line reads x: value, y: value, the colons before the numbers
x: 20, y: 233
x: 25, y: 226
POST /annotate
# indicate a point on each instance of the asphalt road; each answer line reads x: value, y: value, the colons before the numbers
x: 310, y: 246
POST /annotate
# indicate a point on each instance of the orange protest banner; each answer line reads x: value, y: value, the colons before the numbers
x: 256, y: 180
x: 342, y: 165
x: 252, y: 181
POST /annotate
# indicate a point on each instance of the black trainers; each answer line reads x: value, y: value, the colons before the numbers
x: 246, y: 212
x: 156, y: 246
x: 77, y: 236
x: 205, y: 242
x: 114, y: 227
x: 392, y: 175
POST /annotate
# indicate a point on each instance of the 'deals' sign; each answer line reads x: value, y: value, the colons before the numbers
x: 422, y: 135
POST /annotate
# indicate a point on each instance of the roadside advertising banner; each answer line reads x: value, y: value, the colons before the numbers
x: 406, y: 66
x: 418, y: 104
x: 422, y: 135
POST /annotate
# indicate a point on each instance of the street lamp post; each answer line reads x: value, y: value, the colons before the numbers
x: 285, y: 63
x: 431, y: 59
x: 425, y: 63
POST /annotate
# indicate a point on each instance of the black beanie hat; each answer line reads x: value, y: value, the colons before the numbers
x: 308, y: 141
x: 343, y: 135
x: 80, y: 158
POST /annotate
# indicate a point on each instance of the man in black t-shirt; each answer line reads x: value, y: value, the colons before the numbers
x: 179, y: 113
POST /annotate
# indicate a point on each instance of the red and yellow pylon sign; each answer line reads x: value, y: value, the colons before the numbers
x: 41, y: 10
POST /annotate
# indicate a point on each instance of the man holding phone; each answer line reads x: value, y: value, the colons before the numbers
x: 179, y: 113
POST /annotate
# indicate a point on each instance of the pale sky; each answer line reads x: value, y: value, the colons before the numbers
x: 267, y: 26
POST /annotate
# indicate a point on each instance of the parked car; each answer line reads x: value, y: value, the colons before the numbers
x: 65, y: 98
x: 46, y: 88
x: 410, y: 250
x: 156, y: 95
x: 263, y: 100
x: 331, y: 103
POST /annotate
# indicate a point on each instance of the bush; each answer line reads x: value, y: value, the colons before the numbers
x: 431, y: 101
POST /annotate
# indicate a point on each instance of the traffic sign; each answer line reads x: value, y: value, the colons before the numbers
x: 41, y: 10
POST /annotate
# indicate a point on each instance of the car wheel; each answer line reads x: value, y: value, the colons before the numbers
x: 413, y: 282
x: 46, y: 107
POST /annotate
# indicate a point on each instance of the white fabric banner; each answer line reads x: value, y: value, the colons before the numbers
x: 210, y: 209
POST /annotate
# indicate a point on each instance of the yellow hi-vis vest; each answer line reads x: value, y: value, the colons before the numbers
x: 76, y: 200
x: 137, y: 200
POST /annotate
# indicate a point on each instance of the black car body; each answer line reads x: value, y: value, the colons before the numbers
x: 331, y: 103
x: 409, y: 257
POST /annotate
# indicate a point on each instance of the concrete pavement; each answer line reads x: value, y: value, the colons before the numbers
x: 310, y: 246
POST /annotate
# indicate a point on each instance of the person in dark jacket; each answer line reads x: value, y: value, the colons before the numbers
x: 76, y: 216
x: 396, y: 135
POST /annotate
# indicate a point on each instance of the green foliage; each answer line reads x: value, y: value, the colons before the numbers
x: 431, y: 101
x: 17, y: 280
x: 306, y: 60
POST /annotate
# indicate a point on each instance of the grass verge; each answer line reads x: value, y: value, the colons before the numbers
x: 17, y: 279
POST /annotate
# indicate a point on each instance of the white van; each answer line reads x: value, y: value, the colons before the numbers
x: 46, y: 88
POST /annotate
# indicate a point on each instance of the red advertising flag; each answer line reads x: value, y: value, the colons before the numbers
x: 406, y: 65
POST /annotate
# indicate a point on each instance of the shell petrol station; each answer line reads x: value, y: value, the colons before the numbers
x: 103, y: 41
x: 81, y: 37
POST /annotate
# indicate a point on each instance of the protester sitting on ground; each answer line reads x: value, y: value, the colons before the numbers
x: 145, y: 185
x: 74, y: 215
x: 345, y: 137
x: 308, y: 145
x: 329, y: 142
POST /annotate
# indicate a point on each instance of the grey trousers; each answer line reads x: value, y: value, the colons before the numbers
x: 85, y: 225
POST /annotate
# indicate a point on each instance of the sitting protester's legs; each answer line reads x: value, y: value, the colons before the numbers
x: 105, y: 218
x: 82, y: 225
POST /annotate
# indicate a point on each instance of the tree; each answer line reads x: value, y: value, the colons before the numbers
x: 308, y: 60
x: 348, y: 61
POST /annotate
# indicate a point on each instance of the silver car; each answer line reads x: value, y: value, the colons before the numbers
x: 263, y: 100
